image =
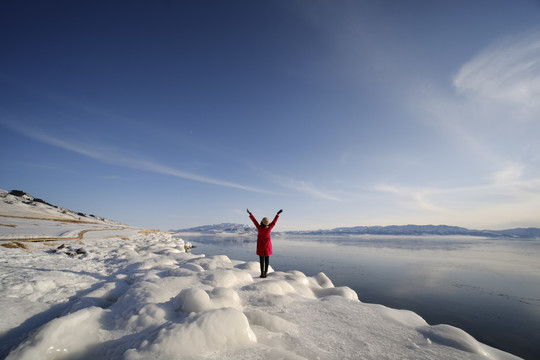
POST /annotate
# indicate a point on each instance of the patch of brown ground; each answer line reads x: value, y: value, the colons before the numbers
x: 15, y: 245
x: 50, y: 219
x: 117, y: 237
x: 148, y: 231
x: 6, y: 225
x: 45, y: 239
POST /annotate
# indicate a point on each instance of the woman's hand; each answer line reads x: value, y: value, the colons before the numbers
x: 280, y: 211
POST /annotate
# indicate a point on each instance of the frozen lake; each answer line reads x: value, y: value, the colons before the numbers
x: 488, y: 287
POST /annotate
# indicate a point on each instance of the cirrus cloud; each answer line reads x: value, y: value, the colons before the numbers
x: 507, y: 71
x: 119, y: 157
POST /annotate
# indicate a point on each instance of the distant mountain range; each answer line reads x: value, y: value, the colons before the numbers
x: 224, y: 228
x: 241, y: 229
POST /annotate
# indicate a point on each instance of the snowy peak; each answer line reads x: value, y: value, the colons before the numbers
x: 415, y: 230
x: 400, y: 230
x: 223, y: 228
x: 410, y: 230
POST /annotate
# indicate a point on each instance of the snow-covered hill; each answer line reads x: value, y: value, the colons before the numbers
x: 224, y: 228
x: 411, y: 230
x: 137, y: 294
x: 29, y: 218
x: 424, y: 230
x: 17, y: 203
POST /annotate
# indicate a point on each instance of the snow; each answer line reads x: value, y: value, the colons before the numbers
x: 139, y: 295
x: 241, y: 230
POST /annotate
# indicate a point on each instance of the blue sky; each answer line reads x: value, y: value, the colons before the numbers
x: 170, y: 114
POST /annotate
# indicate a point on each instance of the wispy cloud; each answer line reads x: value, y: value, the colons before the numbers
x: 506, y: 196
x: 508, y: 175
x: 121, y: 158
x: 492, y: 112
x: 414, y: 197
x: 303, y: 187
x: 507, y: 71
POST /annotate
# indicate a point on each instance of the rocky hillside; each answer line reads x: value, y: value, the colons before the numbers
x: 17, y: 203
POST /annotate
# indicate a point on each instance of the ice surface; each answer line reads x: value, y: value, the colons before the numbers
x: 139, y: 295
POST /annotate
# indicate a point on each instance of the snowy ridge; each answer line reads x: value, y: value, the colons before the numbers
x: 423, y: 230
x: 17, y: 203
x: 25, y: 218
x: 223, y: 228
x: 410, y: 230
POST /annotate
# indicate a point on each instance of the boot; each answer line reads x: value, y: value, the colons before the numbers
x: 262, y: 268
x: 266, y: 263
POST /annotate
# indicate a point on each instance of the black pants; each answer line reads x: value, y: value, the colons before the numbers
x: 265, y: 260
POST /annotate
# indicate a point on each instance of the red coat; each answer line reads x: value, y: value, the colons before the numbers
x: 264, y: 243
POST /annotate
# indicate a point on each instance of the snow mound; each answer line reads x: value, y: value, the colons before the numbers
x: 453, y: 337
x: 141, y: 296
x: 62, y: 338
x: 207, y: 331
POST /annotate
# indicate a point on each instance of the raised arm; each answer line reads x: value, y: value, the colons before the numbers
x: 255, y: 222
x: 273, y: 223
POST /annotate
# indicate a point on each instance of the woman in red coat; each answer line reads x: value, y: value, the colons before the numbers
x: 264, y: 243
